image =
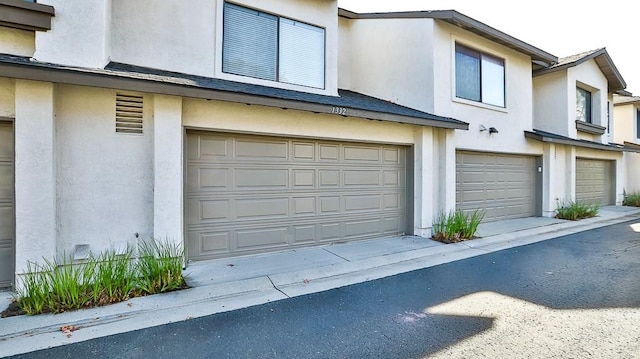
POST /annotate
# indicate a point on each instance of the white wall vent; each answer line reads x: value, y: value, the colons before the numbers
x: 129, y: 113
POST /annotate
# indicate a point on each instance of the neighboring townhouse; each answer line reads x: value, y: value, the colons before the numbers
x: 626, y: 131
x: 222, y: 128
x: 447, y: 63
x: 573, y: 108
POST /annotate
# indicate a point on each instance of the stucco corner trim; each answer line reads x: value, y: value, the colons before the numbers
x: 20, y: 14
x: 590, y: 128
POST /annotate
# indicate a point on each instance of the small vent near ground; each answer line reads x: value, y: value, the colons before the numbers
x: 129, y: 113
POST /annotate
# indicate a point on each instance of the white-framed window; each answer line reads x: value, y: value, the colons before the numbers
x: 480, y: 76
x: 583, y: 105
x: 270, y: 47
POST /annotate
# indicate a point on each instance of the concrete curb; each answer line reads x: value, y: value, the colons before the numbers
x: 24, y: 334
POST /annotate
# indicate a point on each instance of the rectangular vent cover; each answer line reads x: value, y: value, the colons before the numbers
x: 129, y: 110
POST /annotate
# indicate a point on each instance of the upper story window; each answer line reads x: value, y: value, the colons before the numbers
x: 583, y: 105
x: 479, y: 76
x: 264, y: 46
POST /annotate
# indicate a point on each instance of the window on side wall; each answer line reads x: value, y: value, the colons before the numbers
x: 583, y: 105
x: 269, y: 47
x: 637, y: 123
x: 479, y: 76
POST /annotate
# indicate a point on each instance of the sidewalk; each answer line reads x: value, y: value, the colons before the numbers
x: 234, y: 283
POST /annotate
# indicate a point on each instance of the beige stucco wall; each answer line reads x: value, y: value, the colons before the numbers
x: 390, y: 59
x: 625, y: 131
x: 168, y: 35
x: 7, y: 97
x: 624, y: 118
x: 80, y: 34
x: 551, y: 103
x: 104, y: 180
x: 631, y: 172
x: 17, y: 42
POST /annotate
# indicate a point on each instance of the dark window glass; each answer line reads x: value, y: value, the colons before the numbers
x: 479, y: 76
x: 583, y: 105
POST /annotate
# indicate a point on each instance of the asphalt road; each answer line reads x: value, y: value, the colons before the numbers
x: 573, y: 296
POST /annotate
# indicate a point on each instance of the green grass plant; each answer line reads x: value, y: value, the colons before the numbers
x: 456, y: 226
x: 574, y: 211
x: 58, y: 286
x: 160, y: 266
x: 631, y: 199
x: 114, y: 278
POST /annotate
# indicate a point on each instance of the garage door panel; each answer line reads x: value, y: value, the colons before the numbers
x: 261, y: 178
x: 392, y: 155
x: 304, y: 151
x: 304, y: 178
x: 259, y: 149
x: 261, y: 238
x: 366, y: 154
x: 361, y: 177
x: 362, y: 228
x: 304, y: 234
x: 329, y: 178
x: 361, y: 203
x: 329, y: 152
x: 595, y: 181
x: 212, y: 147
x: 268, y: 194
x: 500, y: 184
x: 304, y: 206
x: 329, y: 205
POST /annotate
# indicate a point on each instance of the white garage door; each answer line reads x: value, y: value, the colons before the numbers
x: 595, y: 181
x: 250, y: 194
x: 502, y: 185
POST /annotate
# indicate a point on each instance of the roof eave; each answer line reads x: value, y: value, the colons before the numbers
x: 605, y: 63
x: 571, y: 142
x: 460, y: 20
x: 94, y: 78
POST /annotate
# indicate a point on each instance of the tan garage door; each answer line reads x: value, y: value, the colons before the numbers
x: 502, y: 185
x: 595, y: 181
x: 7, y: 217
x: 251, y: 194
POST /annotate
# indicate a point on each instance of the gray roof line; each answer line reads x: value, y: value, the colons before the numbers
x: 465, y: 22
x: 549, y: 137
x: 602, y: 58
x: 134, y: 78
x: 625, y: 100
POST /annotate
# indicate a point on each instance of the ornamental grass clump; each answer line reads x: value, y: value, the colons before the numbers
x: 574, y: 211
x: 160, y: 267
x: 110, y: 277
x: 632, y: 199
x: 456, y: 226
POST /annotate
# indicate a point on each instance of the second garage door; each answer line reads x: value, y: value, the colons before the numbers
x: 502, y: 185
x: 251, y: 194
x: 595, y: 182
